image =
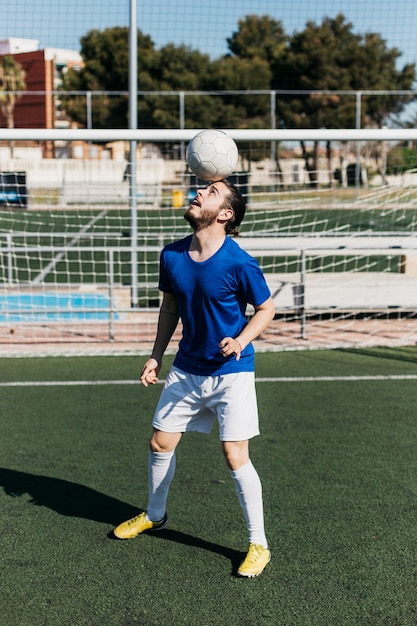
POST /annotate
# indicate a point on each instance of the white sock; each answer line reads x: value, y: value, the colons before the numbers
x: 161, y: 470
x: 249, y: 491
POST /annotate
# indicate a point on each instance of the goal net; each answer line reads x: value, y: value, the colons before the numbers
x: 341, y: 262
x: 88, y: 198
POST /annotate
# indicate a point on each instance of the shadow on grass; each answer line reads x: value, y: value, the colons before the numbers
x: 234, y: 556
x: 75, y: 500
x: 66, y: 498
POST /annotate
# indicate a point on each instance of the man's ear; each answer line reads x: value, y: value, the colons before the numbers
x: 226, y: 214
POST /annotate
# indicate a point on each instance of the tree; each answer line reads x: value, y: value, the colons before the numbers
x: 330, y: 57
x: 316, y: 62
x: 106, y: 66
x: 12, y: 79
x: 105, y: 55
x: 258, y: 41
x: 259, y: 37
x: 243, y: 74
x: 254, y: 48
x: 379, y: 72
x: 180, y: 68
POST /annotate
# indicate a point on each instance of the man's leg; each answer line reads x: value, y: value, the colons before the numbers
x: 248, y: 487
x: 161, y: 470
x: 249, y: 491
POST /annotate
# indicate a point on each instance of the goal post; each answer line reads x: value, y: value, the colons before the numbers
x: 241, y: 135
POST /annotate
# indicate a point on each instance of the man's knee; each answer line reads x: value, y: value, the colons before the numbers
x: 236, y: 453
x: 164, y: 442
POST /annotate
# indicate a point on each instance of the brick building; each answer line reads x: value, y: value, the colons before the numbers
x: 40, y: 108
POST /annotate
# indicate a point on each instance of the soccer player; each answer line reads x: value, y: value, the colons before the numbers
x: 207, y: 280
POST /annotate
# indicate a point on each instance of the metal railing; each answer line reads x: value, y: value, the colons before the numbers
x: 306, y: 293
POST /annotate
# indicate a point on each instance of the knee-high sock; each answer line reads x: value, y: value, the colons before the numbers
x: 249, y: 491
x: 161, y: 470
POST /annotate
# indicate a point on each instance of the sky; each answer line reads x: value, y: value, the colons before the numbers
x: 202, y: 25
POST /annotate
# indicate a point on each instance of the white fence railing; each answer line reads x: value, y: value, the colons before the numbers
x: 302, y: 293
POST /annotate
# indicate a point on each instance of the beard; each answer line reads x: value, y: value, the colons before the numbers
x: 203, y: 220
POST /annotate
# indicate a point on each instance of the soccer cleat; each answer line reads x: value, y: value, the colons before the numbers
x: 138, y: 525
x: 255, y: 561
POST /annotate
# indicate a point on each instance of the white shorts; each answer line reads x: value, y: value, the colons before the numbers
x: 191, y: 403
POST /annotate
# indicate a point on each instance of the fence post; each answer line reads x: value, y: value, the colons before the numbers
x: 302, y: 308
x: 111, y: 295
x: 9, y: 240
x: 133, y: 124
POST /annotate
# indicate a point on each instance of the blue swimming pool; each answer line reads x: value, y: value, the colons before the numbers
x: 49, y: 306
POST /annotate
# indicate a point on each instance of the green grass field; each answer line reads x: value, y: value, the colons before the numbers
x: 337, y: 458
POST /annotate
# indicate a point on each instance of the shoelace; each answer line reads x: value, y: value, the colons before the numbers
x: 254, y: 553
x: 133, y: 521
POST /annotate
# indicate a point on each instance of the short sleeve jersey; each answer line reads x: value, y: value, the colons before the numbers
x: 212, y: 297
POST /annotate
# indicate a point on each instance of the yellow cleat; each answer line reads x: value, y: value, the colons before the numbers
x: 138, y: 525
x: 255, y: 561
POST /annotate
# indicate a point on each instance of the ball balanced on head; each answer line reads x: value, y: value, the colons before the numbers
x: 212, y: 155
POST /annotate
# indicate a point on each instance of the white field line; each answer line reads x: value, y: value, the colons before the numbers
x: 283, y: 379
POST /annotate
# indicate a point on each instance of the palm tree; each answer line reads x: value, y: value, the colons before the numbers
x: 12, y: 80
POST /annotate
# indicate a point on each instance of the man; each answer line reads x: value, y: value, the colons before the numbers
x: 207, y: 281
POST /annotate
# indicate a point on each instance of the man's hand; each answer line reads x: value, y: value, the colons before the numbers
x: 149, y: 373
x: 229, y: 346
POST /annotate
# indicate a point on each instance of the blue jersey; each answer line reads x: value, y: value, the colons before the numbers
x: 212, y: 298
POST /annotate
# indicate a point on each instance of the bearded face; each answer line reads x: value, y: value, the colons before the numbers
x: 204, y: 218
x: 209, y: 206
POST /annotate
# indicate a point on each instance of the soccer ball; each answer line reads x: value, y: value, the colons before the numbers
x: 212, y: 155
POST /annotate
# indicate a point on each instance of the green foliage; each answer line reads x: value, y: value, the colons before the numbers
x: 319, y: 60
x: 12, y: 78
x: 400, y: 159
x: 329, y: 57
x: 258, y: 38
x: 105, y: 55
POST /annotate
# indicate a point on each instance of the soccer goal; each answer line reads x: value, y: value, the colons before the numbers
x: 80, y: 239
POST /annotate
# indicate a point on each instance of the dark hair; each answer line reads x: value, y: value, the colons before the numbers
x: 237, y: 203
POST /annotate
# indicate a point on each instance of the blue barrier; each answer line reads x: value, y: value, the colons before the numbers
x: 42, y: 307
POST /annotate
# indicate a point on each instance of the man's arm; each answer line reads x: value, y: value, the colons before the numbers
x: 263, y: 315
x: 167, y: 323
